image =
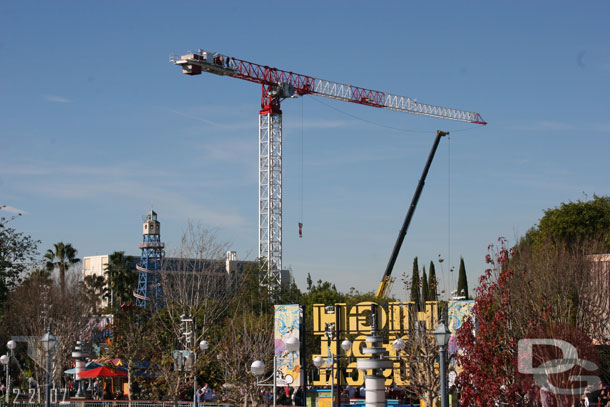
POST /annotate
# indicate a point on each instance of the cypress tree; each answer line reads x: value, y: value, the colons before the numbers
x: 415, y: 283
x: 425, y: 293
x: 462, y: 288
x: 432, y: 284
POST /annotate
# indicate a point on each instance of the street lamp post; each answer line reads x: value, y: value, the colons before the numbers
x: 6, y: 361
x: 442, y: 334
x: 318, y: 362
x: 346, y: 345
x: 258, y: 367
x: 48, y: 344
x: 203, y: 345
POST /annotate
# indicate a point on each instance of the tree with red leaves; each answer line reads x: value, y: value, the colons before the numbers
x: 486, y: 356
x: 542, y: 292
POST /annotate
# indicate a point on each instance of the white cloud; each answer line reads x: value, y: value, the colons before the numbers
x: 545, y: 125
x: 11, y: 209
x: 39, y: 168
x: 218, y: 125
x: 356, y: 157
x: 23, y: 170
x: 555, y: 182
x: 601, y: 127
x: 118, y: 182
x: 548, y: 125
x: 328, y: 124
x: 57, y: 99
x: 230, y: 150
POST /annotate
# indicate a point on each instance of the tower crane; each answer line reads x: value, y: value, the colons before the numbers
x: 276, y: 85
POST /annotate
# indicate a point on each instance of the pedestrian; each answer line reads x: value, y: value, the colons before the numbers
x: 107, y: 395
x: 298, y: 396
x: 32, y: 383
x: 97, y: 390
x: 200, y: 393
x: 119, y: 395
x: 604, y: 396
x: 267, y: 396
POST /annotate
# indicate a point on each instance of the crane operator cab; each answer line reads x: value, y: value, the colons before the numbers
x: 212, y: 62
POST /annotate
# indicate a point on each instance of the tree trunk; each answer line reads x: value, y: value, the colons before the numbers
x: 62, y: 279
x: 129, y: 365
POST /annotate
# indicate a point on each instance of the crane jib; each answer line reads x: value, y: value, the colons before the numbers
x: 276, y: 85
x: 205, y: 61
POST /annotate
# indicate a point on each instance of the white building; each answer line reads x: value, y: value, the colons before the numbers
x: 96, y: 266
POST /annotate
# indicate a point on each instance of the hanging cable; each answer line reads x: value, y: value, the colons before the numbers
x: 451, y: 274
x: 301, y: 178
x: 448, y: 280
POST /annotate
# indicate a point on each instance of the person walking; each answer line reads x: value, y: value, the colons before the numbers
x: 200, y: 393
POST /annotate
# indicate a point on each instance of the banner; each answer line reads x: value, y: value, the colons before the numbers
x: 288, y: 320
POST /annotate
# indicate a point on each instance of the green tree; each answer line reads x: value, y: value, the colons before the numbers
x: 415, y: 285
x: 355, y: 297
x: 251, y: 293
x: 322, y: 292
x: 120, y: 279
x: 93, y: 287
x: 462, y: 287
x: 131, y: 341
x: 62, y: 258
x: 568, y: 236
x: 425, y: 292
x: 432, y: 284
x: 17, y: 253
x: 574, y: 223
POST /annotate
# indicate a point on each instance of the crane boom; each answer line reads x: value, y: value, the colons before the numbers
x: 277, y: 85
x: 195, y: 63
x: 384, y: 286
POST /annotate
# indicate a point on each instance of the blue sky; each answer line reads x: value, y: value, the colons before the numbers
x: 97, y: 127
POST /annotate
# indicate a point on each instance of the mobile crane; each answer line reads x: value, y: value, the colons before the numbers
x: 386, y: 281
x: 277, y: 85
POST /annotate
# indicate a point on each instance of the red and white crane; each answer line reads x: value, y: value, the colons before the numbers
x: 276, y: 86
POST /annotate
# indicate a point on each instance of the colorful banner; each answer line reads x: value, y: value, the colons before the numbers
x: 457, y: 312
x: 288, y: 320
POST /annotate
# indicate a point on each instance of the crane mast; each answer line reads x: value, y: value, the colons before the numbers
x: 277, y: 85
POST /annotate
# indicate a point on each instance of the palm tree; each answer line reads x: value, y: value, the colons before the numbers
x: 62, y: 258
x: 121, y: 280
x: 93, y: 287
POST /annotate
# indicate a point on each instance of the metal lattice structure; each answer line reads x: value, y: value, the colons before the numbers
x: 277, y: 85
x: 149, y: 268
x: 270, y: 195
